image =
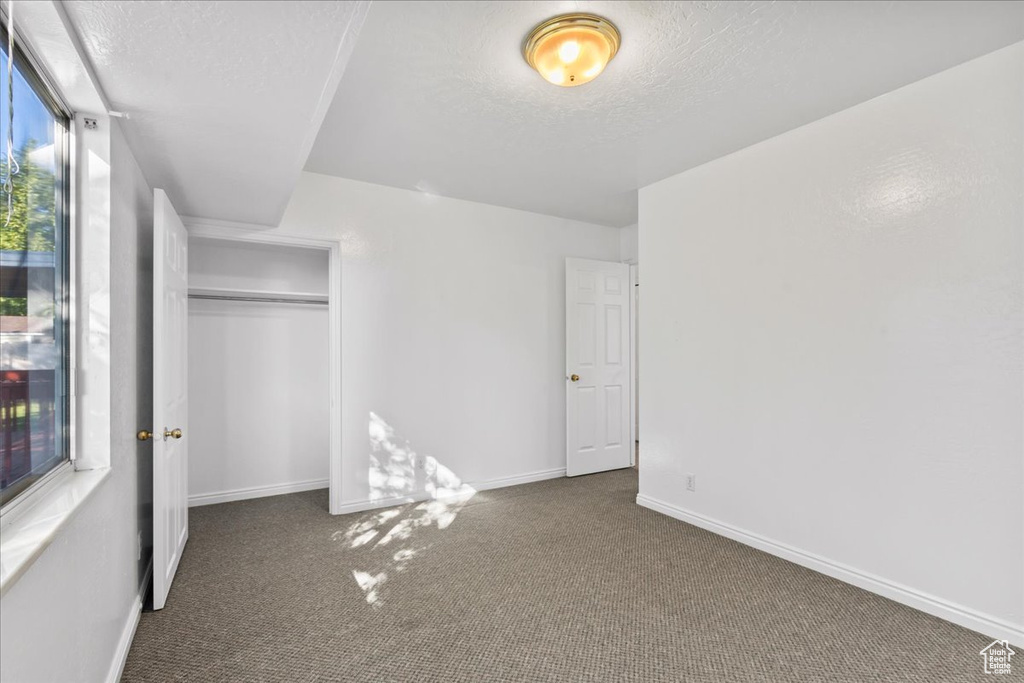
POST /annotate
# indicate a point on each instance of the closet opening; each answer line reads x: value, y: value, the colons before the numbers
x: 261, y: 379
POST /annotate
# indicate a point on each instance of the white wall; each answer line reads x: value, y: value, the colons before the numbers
x: 836, y: 319
x: 258, y: 382
x: 629, y: 252
x: 65, y: 619
x: 453, y: 332
x: 248, y: 266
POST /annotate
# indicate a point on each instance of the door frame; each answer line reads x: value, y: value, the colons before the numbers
x: 235, y: 232
x: 634, y: 375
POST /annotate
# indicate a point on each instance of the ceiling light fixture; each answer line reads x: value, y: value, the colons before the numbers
x: 571, y: 49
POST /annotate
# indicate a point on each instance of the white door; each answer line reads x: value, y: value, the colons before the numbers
x: 170, y: 387
x: 597, y: 366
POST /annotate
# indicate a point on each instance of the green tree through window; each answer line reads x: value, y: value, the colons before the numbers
x: 32, y: 218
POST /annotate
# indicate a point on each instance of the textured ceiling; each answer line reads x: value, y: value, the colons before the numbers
x: 437, y: 97
x: 225, y: 98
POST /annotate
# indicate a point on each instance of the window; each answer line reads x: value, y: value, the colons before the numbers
x: 34, y: 282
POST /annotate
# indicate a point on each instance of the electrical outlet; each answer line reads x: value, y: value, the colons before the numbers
x: 691, y: 482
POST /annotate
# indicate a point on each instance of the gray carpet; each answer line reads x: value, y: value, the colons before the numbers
x: 563, y: 580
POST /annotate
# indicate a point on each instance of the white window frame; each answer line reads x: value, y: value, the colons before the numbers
x: 33, y: 493
x: 39, y: 516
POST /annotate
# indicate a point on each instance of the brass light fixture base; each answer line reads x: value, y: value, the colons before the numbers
x: 595, y: 42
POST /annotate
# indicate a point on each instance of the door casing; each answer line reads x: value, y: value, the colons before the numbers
x: 214, y: 230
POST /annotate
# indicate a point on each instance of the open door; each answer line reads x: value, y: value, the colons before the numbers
x: 170, y: 394
x: 597, y: 366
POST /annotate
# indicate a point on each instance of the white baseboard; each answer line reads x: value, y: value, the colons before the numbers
x: 988, y: 625
x: 528, y: 478
x: 255, y: 492
x: 128, y: 633
x: 419, y: 496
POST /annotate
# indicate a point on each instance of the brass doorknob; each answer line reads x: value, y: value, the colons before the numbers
x: 575, y: 378
x: 144, y: 435
x: 173, y: 433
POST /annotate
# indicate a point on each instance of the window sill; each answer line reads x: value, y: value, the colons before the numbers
x: 25, y: 538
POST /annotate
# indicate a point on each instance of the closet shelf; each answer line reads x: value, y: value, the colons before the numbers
x: 255, y: 295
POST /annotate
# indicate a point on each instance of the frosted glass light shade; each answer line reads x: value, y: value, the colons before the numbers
x: 571, y: 49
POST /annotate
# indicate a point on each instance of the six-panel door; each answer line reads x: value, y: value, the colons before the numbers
x: 598, y: 373
x: 170, y: 394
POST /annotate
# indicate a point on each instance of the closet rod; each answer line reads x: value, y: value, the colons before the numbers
x: 257, y: 299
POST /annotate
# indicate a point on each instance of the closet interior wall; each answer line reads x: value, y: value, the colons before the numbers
x: 258, y: 370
